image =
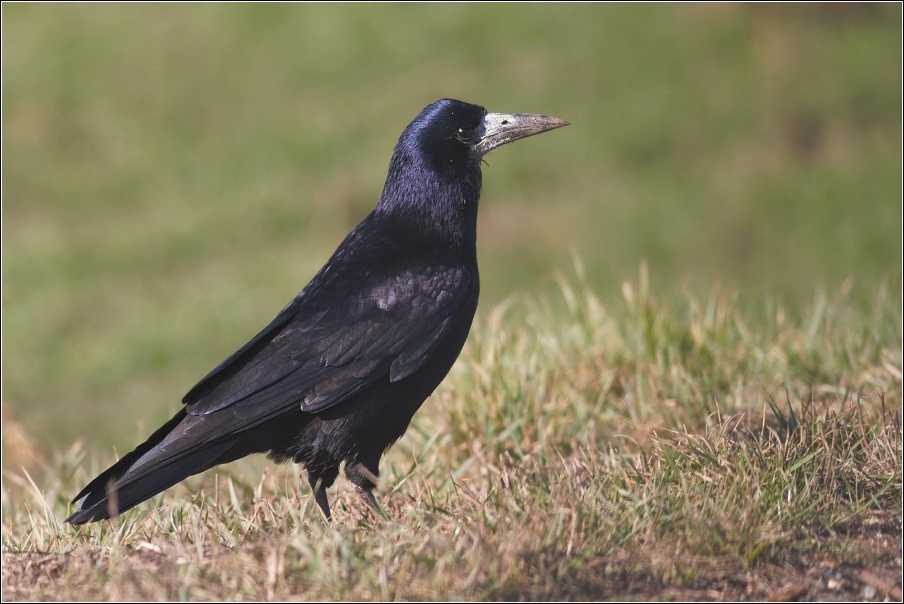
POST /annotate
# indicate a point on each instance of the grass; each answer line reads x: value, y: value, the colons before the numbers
x: 173, y: 174
x: 701, y: 451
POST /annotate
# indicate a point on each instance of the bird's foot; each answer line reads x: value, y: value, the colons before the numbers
x: 368, y: 496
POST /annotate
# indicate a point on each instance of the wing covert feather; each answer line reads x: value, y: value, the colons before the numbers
x: 315, y: 354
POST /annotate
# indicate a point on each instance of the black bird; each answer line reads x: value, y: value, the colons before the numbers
x: 337, y: 376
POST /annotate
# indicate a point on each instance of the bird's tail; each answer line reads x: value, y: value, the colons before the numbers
x: 154, y: 466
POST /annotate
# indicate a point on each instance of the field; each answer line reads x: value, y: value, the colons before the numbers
x: 627, y: 454
x: 685, y: 379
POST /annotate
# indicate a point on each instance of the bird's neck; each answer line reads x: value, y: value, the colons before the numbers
x: 439, y: 207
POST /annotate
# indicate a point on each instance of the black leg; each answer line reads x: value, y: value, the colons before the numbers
x: 322, y: 500
x: 319, y: 484
x: 365, y: 479
x: 368, y: 496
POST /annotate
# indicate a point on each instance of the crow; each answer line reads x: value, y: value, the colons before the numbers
x: 337, y: 376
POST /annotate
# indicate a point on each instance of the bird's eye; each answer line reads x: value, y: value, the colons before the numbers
x: 464, y: 134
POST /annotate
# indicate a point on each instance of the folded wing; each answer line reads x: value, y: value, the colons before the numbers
x: 317, y: 353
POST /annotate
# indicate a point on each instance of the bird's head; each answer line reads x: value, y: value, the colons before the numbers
x: 453, y: 136
x: 434, y: 180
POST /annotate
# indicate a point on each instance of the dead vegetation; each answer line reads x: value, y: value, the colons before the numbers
x: 632, y: 453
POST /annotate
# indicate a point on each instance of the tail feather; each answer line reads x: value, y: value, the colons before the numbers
x: 185, y: 445
x: 111, y: 499
x: 143, y: 473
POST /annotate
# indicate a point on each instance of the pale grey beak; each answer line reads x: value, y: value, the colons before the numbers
x: 501, y: 128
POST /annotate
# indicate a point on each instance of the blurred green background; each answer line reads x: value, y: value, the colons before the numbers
x: 172, y: 175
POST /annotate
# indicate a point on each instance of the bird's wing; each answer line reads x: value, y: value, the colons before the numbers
x: 319, y: 351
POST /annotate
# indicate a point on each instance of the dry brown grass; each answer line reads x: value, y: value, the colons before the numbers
x: 635, y: 453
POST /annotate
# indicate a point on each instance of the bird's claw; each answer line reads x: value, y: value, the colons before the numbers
x: 368, y: 496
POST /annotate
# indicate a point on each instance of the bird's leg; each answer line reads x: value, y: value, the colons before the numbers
x: 322, y: 500
x: 368, y: 496
x: 319, y: 485
x: 365, y: 479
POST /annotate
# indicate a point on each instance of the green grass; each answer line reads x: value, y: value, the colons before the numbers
x: 627, y: 452
x: 173, y: 175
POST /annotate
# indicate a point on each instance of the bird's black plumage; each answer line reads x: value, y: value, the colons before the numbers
x: 337, y: 376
